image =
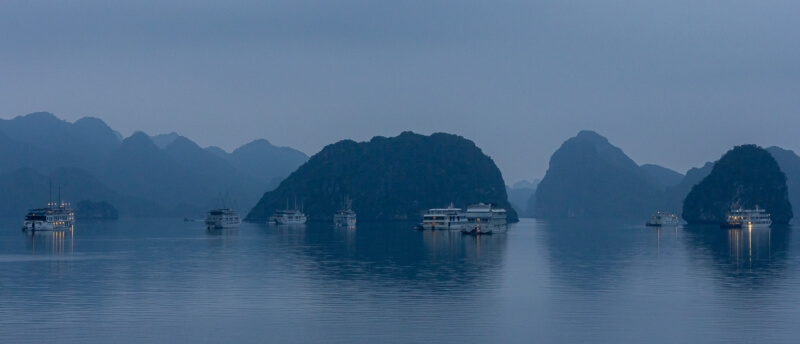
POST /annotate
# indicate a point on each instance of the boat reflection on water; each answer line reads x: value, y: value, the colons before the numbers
x: 291, y: 226
x: 223, y: 232
x: 748, y: 244
x: 455, y: 245
x: 53, y: 242
x: 222, y: 239
x: 670, y: 233
x: 291, y: 234
x: 747, y: 256
x: 389, y: 256
x: 347, y: 235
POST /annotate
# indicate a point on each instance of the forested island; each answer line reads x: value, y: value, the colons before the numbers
x: 745, y: 177
x: 388, y: 179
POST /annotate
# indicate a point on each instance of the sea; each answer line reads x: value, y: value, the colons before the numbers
x: 173, y: 281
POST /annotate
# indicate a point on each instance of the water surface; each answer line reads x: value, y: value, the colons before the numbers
x: 160, y: 280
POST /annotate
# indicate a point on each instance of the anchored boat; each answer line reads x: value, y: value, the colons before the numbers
x: 749, y: 218
x: 287, y: 216
x: 222, y: 218
x: 663, y: 220
x: 444, y: 218
x: 485, y: 219
x: 345, y: 217
x: 54, y: 217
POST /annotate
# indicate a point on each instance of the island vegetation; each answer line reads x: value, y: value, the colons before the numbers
x: 745, y: 177
x: 389, y: 179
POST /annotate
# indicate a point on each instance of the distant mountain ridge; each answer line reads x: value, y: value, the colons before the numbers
x: 26, y: 188
x: 520, y: 194
x: 140, y: 176
x: 265, y: 162
x: 173, y: 176
x: 387, y: 179
x: 83, y: 144
x: 139, y: 168
x: 665, y: 176
x: 590, y: 178
x: 163, y: 140
x: 524, y: 184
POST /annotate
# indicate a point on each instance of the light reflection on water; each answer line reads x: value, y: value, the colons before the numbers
x: 56, y: 243
x: 169, y: 280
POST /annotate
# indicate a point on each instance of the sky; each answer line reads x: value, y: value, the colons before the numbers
x: 675, y: 83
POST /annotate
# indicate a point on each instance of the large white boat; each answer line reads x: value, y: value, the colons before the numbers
x: 484, y: 219
x: 444, y: 218
x: 222, y: 218
x: 747, y: 218
x: 55, y: 217
x: 345, y: 217
x: 663, y: 220
x: 287, y: 217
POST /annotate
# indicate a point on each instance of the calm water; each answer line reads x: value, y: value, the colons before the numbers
x: 173, y: 281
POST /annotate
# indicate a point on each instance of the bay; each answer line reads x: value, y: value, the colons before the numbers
x: 166, y: 280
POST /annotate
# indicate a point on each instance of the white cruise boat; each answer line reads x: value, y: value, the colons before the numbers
x: 223, y: 218
x: 484, y: 219
x: 747, y: 218
x: 287, y: 217
x: 345, y: 217
x: 55, y: 217
x: 663, y: 220
x: 444, y: 218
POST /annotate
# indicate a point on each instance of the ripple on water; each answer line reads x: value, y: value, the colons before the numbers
x: 157, y: 281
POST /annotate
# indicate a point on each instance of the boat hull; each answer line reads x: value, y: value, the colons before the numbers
x: 218, y: 225
x: 281, y: 222
x: 746, y: 225
x: 658, y: 224
x: 484, y: 229
x: 344, y: 222
x: 45, y: 226
x: 445, y: 226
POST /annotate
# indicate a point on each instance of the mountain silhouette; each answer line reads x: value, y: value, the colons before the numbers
x: 590, y: 178
x: 26, y: 188
x: 746, y: 177
x: 264, y: 162
x: 162, y: 175
x: 663, y: 175
x: 390, y: 179
x: 790, y: 165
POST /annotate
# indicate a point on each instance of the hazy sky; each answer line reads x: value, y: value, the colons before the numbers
x: 675, y: 83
